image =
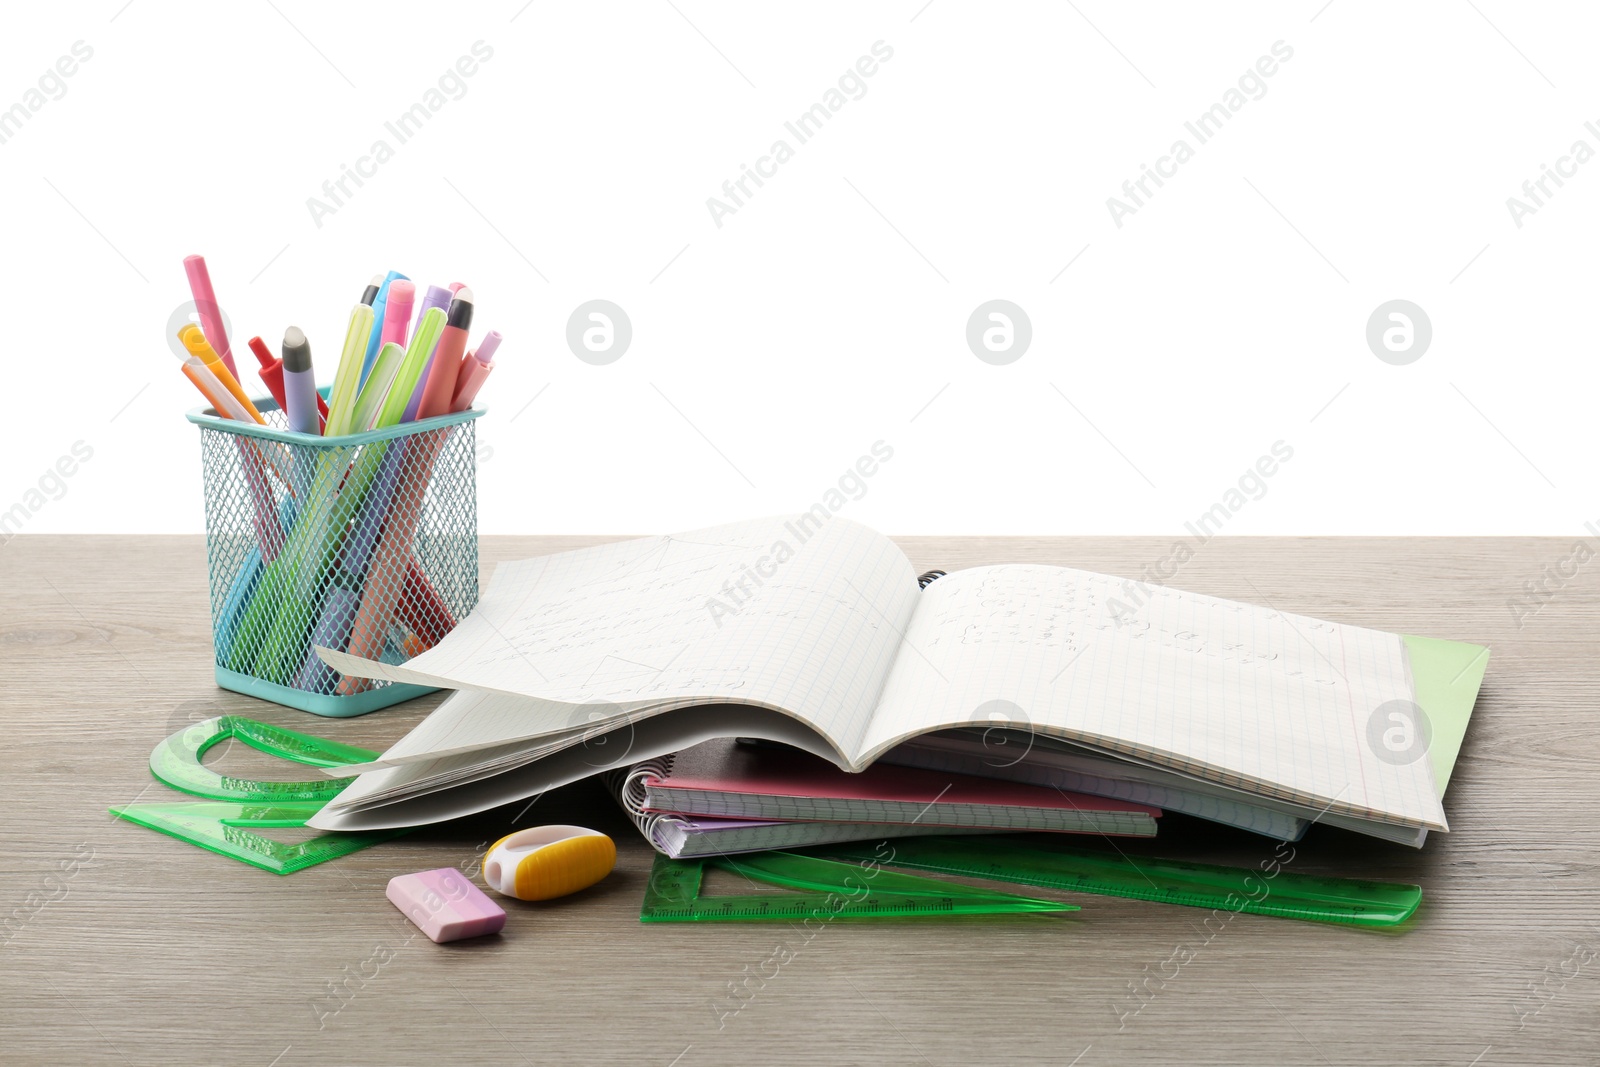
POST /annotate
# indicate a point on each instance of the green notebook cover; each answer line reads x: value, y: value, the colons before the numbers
x: 1447, y: 675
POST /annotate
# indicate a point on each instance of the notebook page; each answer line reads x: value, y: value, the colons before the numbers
x: 417, y: 793
x: 1232, y: 693
x: 461, y: 724
x: 787, y: 612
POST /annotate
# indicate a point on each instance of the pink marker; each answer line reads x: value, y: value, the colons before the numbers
x: 475, y: 371
x: 397, y: 314
x: 456, y: 287
x: 205, y: 303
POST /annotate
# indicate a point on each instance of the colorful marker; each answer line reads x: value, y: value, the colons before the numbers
x: 271, y: 374
x: 347, y: 379
x: 205, y: 303
x: 397, y: 313
x: 373, y: 395
x: 475, y: 371
x: 446, y: 369
x: 437, y: 298
x: 408, y: 381
x: 299, y: 383
x: 194, y: 339
x: 380, y: 305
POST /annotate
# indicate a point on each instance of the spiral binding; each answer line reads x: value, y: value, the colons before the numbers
x: 628, y: 785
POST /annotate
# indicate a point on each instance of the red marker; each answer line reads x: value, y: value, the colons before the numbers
x: 441, y: 387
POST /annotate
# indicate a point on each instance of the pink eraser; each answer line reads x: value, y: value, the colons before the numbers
x: 444, y: 905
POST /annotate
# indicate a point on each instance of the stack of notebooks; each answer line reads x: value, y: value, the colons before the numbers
x: 723, y: 796
x: 1043, y: 697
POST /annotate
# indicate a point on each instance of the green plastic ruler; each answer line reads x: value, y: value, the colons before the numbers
x: 1200, y: 885
x: 237, y: 807
x: 227, y: 828
x: 833, y: 890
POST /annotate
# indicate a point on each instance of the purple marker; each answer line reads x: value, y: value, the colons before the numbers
x: 436, y: 298
x: 343, y: 597
x: 299, y: 383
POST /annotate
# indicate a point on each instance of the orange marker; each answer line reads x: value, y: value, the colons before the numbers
x: 194, y: 341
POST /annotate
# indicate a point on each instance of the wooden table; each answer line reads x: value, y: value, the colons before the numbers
x: 123, y: 945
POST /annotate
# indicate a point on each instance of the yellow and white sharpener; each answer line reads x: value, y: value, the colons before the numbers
x: 545, y: 862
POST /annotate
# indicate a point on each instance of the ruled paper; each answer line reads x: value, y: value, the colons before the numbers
x: 788, y: 613
x: 1242, y: 695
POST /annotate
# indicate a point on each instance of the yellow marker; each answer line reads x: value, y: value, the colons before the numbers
x: 545, y: 862
x: 195, y: 341
x: 347, y: 379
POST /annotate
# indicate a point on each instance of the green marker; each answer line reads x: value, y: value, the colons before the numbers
x: 292, y: 584
x: 429, y: 327
x: 373, y: 394
x: 347, y: 379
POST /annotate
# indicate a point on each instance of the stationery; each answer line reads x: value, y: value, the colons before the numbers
x: 385, y: 579
x: 333, y: 560
x: 194, y: 341
x: 475, y: 371
x: 656, y: 644
x: 379, y: 304
x: 269, y: 533
x: 375, y: 391
x: 210, y: 312
x: 1265, y: 889
x: 351, y: 372
x: 827, y: 889
x: 436, y: 298
x: 723, y: 779
x: 397, y: 312
x: 270, y: 372
x: 688, y: 836
x: 1447, y: 675
x: 408, y: 376
x: 232, y: 809
x: 299, y: 383
x: 342, y: 598
x: 444, y: 366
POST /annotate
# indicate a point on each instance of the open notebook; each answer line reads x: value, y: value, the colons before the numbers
x: 813, y: 632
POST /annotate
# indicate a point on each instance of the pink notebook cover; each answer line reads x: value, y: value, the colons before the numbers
x: 725, y: 766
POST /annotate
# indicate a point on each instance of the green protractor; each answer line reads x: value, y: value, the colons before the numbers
x: 1200, y: 885
x: 177, y: 761
x: 236, y: 807
x: 838, y: 890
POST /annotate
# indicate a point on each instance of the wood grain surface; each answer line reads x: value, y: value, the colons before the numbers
x: 119, y: 945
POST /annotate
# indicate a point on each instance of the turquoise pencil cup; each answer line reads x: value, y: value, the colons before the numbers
x: 366, y: 543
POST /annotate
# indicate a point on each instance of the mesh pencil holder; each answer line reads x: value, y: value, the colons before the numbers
x: 365, y: 543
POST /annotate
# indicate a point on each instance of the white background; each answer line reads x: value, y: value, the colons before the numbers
x: 830, y: 311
